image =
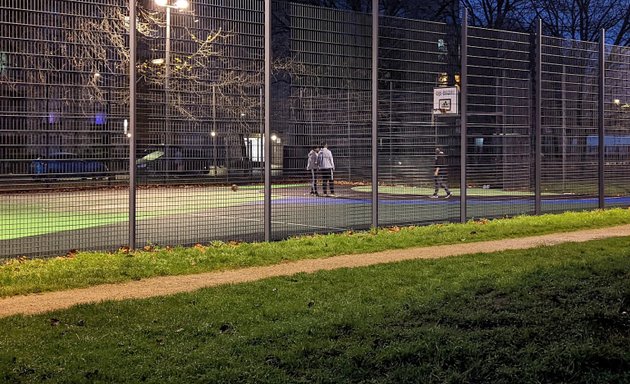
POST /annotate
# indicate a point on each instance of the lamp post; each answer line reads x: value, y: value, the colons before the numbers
x: 179, y: 4
x: 214, y: 151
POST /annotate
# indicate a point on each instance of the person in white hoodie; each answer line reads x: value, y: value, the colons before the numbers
x: 326, y: 169
x: 312, y: 167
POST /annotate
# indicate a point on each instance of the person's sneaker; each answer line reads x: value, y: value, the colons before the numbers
x: 448, y: 195
x: 434, y: 196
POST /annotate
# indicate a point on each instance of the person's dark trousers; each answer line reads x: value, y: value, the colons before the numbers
x: 439, y: 182
x: 313, y: 182
x: 327, y: 181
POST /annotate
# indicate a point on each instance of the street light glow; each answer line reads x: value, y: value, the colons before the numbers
x: 182, y: 4
x: 213, y: 133
x: 179, y: 4
x: 273, y: 137
x: 616, y: 101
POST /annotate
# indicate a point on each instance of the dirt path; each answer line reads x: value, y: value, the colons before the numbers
x: 169, y: 285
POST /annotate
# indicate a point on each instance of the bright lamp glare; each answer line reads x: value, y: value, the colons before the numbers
x: 617, y: 101
x: 161, y: 3
x: 213, y: 133
x: 273, y: 137
x: 182, y: 4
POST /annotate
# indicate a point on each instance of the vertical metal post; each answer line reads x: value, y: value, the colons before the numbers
x: 214, y: 130
x: 267, y: 136
x: 463, y: 120
x: 261, y: 101
x: 538, y: 123
x: 348, y: 131
x: 375, y: 10
x: 600, y: 119
x: 167, y: 87
x: 132, y: 124
x: 391, y: 111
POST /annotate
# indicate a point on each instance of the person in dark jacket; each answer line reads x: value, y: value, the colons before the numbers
x: 440, y: 174
x: 312, y: 167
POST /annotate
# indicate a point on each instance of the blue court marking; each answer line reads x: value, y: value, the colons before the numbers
x: 453, y: 201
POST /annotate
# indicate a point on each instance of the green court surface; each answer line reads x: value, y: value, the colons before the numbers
x: 276, y: 186
x: 37, y: 214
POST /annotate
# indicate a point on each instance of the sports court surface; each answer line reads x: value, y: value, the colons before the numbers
x: 60, y: 221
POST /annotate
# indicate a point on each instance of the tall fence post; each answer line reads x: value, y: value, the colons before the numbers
x: 375, y: 11
x: 463, y: 120
x: 132, y: 124
x: 600, y: 119
x: 538, y: 123
x: 267, y: 138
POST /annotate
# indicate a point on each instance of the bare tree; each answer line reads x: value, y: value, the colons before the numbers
x: 499, y: 14
x: 583, y: 19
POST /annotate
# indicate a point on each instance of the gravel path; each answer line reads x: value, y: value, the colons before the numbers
x: 169, y: 285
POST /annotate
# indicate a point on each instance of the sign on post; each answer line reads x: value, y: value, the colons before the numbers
x: 445, y: 101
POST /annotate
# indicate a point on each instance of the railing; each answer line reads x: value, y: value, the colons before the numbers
x: 64, y: 129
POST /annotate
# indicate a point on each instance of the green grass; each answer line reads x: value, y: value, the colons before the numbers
x: 548, y: 315
x: 91, y: 268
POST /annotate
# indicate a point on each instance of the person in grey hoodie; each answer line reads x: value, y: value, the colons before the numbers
x: 326, y: 169
x: 312, y: 167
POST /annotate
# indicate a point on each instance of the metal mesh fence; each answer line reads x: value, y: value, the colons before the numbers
x: 499, y: 164
x: 617, y: 138
x: 200, y: 134
x: 322, y: 97
x: 62, y: 106
x: 199, y: 123
x: 569, y: 124
x: 413, y: 55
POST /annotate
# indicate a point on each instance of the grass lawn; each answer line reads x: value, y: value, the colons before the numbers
x: 548, y: 315
x: 91, y: 268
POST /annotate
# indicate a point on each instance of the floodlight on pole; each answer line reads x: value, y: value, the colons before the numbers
x: 179, y: 4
